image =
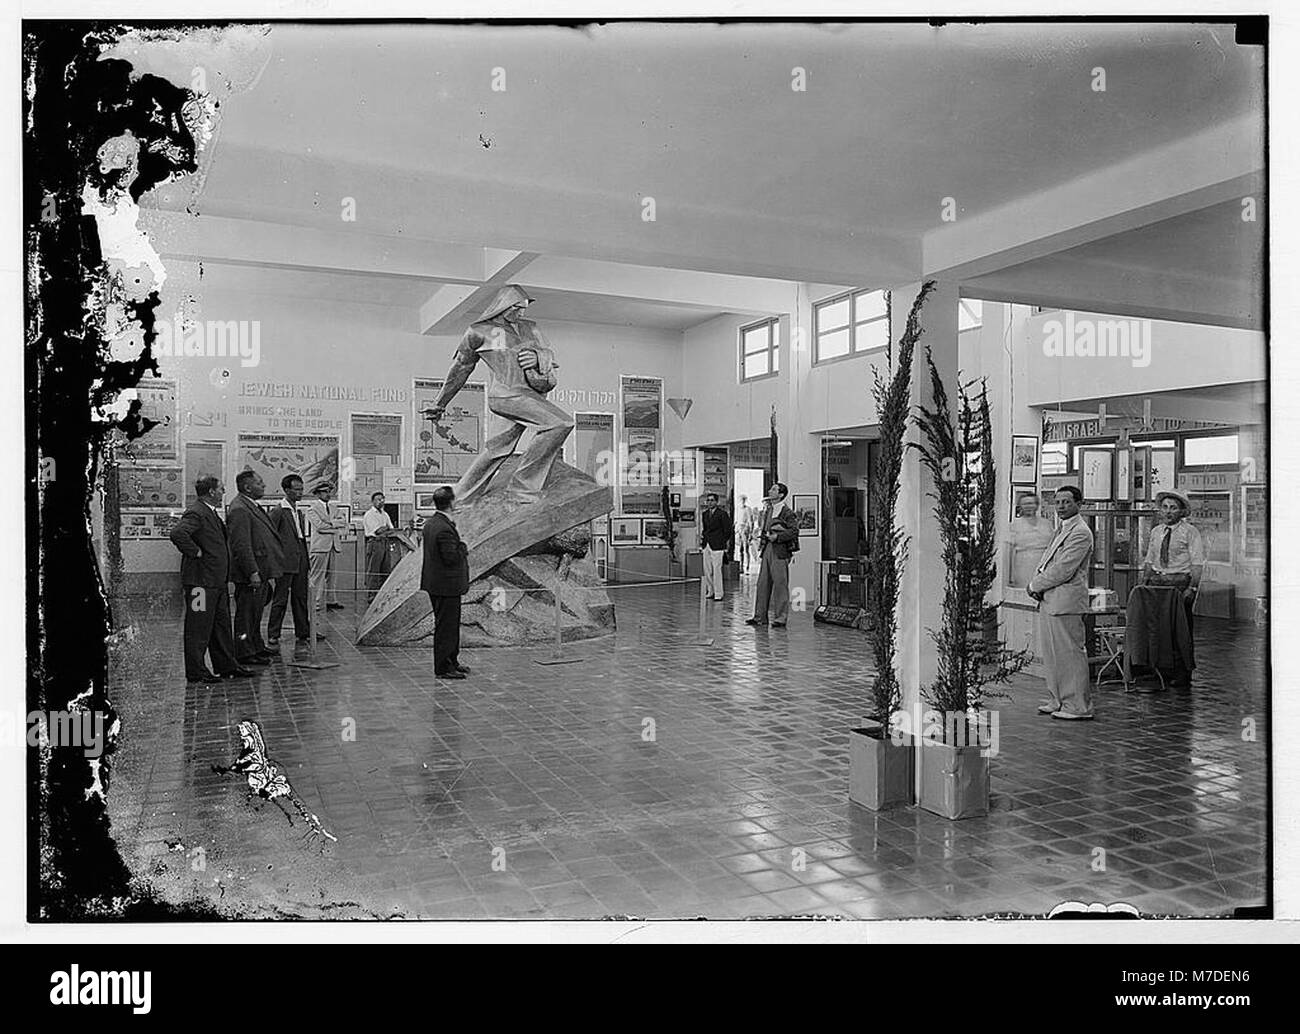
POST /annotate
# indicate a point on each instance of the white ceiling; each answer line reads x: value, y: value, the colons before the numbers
x: 895, y: 117
x: 750, y: 177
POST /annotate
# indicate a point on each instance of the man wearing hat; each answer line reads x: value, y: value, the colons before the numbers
x: 322, y: 548
x: 1176, y: 556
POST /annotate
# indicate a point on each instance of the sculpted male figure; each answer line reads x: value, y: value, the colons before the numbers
x: 522, y: 368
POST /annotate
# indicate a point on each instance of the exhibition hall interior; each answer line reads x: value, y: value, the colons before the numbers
x: 677, y: 470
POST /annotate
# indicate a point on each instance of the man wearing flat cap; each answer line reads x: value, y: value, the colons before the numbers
x: 1176, y: 557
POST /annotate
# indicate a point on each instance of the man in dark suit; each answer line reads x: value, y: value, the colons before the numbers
x: 445, y: 577
x: 256, y: 561
x: 200, y: 535
x: 778, y: 538
x: 291, y: 588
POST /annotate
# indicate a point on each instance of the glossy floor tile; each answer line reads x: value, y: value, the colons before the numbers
x: 658, y: 778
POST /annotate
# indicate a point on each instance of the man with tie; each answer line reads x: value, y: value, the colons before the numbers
x: 777, y: 532
x: 200, y: 535
x: 1176, y: 557
x: 1060, y: 585
x: 323, y: 547
x: 445, y: 577
x: 291, y: 587
x: 256, y: 561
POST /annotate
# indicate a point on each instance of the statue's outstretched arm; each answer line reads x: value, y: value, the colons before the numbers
x: 462, y: 365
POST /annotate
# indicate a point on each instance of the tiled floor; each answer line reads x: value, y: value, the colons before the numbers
x: 658, y: 778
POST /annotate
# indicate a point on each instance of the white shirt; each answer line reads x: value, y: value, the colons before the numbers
x: 374, y: 520
x: 286, y: 505
x: 214, y: 510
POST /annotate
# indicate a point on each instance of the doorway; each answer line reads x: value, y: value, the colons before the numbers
x: 747, y: 482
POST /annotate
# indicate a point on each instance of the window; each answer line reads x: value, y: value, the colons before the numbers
x: 760, y: 354
x: 849, y: 324
x: 970, y: 314
x: 1218, y: 450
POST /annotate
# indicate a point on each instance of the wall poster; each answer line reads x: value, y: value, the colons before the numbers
x: 376, y: 443
x: 640, y: 500
x: 313, y: 457
x: 147, y: 525
x: 153, y: 487
x: 444, y: 451
x: 204, y: 459
x: 1254, y: 522
x: 157, y: 397
x: 593, y: 437
x: 1212, y: 516
x: 641, y: 406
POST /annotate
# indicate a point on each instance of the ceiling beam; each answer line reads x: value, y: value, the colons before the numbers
x: 1219, y: 164
x: 253, y: 242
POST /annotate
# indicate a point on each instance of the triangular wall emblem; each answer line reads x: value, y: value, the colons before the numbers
x: 681, y: 407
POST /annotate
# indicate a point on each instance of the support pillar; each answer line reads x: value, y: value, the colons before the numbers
x: 920, y: 598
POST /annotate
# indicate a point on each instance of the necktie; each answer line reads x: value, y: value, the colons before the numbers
x: 1164, y: 546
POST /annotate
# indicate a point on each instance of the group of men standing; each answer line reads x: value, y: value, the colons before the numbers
x: 269, y: 560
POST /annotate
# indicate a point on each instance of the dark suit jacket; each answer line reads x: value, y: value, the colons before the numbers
x: 715, y: 528
x: 200, y: 535
x: 285, y: 523
x: 445, y: 571
x: 785, y: 535
x: 254, y: 545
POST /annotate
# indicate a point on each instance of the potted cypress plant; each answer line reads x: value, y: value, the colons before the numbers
x: 956, y: 736
x: 880, y: 769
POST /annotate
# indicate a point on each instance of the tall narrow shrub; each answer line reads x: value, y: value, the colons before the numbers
x: 959, y: 455
x: 889, y: 544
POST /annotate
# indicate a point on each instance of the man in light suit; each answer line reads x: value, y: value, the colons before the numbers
x: 256, y: 561
x: 444, y: 575
x: 323, y: 547
x: 1061, y: 587
x: 291, y: 589
x: 200, y: 535
x: 777, y: 533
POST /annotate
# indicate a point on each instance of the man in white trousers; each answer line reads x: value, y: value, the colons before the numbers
x: 1061, y: 587
x: 323, y: 548
x: 715, y: 537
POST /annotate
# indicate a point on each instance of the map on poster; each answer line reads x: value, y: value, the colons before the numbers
x: 313, y: 457
x: 154, y: 487
x: 445, y: 450
x: 376, y: 444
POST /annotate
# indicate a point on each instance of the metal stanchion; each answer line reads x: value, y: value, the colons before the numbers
x: 310, y: 661
x: 557, y: 655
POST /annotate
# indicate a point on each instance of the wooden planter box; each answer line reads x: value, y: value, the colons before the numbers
x: 880, y: 772
x: 954, y: 780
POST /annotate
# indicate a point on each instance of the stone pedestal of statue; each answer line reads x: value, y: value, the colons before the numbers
x: 521, y: 555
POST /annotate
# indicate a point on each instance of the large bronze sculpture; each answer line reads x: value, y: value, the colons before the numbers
x: 525, y: 517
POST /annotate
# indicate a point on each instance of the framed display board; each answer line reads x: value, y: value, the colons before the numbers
x: 1024, y: 459
x: 1096, y: 466
x: 805, y: 508
x: 1123, y: 475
